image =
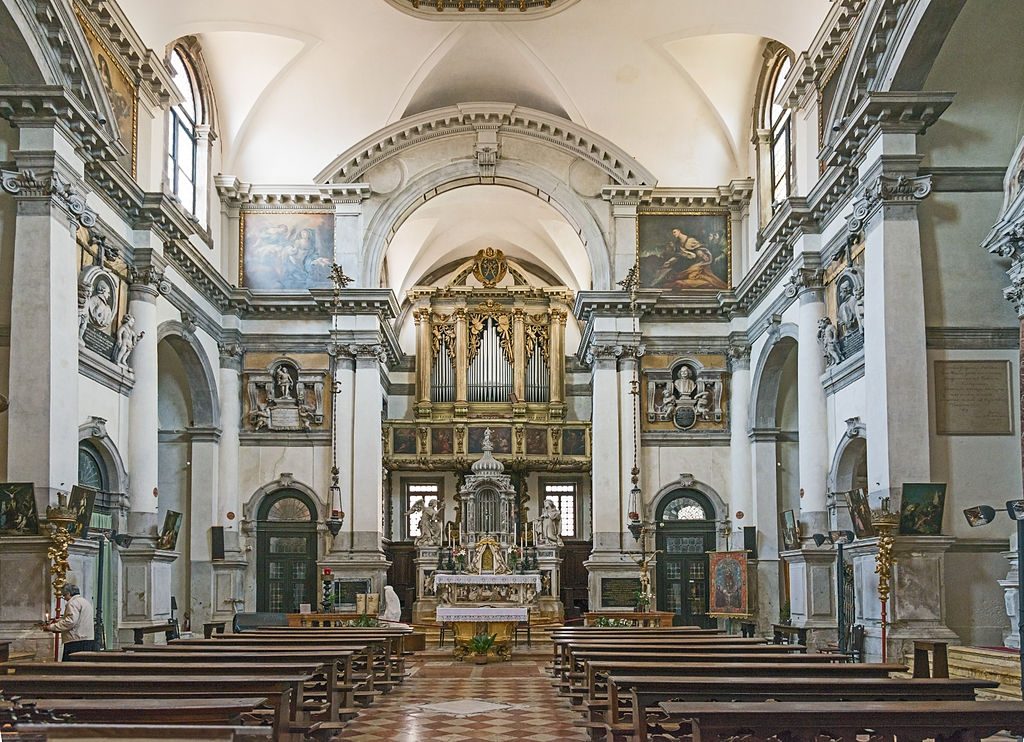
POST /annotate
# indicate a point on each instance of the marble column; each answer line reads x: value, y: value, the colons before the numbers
x: 625, y: 203
x: 348, y: 232
x: 812, y: 416
x: 461, y: 361
x: 519, y: 354
x: 424, y: 354
x: 629, y: 443
x: 143, y: 418
x: 344, y: 400
x: 556, y: 356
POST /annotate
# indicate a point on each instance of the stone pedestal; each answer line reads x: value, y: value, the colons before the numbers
x: 812, y: 593
x: 917, y: 602
x: 356, y: 566
x: 603, y: 566
x: 425, y: 607
x: 27, y: 595
x: 550, y: 598
x: 146, y: 575
x: 228, y: 588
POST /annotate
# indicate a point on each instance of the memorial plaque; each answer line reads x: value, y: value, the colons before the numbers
x: 619, y: 592
x: 973, y: 398
x: 345, y: 591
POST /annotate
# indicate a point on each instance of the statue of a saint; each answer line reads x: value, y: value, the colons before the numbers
x: 847, y: 314
x: 283, y: 382
x: 127, y: 339
x: 549, y: 525
x: 829, y: 342
x: 685, y: 386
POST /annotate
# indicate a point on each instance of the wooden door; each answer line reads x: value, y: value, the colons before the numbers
x: 286, y: 553
x: 685, y: 533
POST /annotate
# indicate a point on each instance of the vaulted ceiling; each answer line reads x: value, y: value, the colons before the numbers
x: 670, y: 81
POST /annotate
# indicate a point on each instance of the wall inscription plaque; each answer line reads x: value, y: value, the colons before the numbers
x: 973, y: 398
x: 619, y: 592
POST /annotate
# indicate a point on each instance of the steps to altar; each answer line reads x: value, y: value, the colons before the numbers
x: 1002, y: 666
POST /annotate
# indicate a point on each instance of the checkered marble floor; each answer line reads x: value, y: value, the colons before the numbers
x: 452, y: 701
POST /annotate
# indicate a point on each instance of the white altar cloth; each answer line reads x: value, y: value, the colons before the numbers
x: 447, y: 614
x: 465, y: 579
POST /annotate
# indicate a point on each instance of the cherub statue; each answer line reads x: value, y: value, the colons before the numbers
x: 829, y: 342
x: 430, y: 522
x: 127, y: 339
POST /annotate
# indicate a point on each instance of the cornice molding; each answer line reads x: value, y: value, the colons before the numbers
x: 834, y: 36
x: 458, y: 11
x: 505, y: 119
x: 53, y: 106
x: 237, y: 194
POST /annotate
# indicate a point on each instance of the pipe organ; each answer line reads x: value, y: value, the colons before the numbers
x: 490, y: 345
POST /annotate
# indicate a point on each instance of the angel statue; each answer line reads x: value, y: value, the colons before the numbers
x: 430, y: 522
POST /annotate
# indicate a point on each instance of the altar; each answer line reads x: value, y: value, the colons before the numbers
x: 470, y: 622
x: 487, y: 588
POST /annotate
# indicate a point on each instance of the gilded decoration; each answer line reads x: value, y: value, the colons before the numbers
x: 502, y: 325
x: 490, y: 267
x: 684, y: 393
x: 442, y: 335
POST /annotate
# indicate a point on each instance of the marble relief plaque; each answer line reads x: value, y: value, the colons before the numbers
x: 973, y: 398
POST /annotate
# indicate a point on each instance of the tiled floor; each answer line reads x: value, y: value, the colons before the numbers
x: 452, y: 701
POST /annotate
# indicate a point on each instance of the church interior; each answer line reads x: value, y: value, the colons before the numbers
x: 459, y: 369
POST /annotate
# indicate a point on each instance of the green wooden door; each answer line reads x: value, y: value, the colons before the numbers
x: 286, y: 553
x: 685, y: 533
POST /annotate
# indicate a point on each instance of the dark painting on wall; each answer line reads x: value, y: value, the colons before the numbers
x: 18, y: 509
x: 441, y: 440
x: 574, y: 442
x: 169, y: 533
x: 286, y: 251
x: 537, y: 441
x: 921, y: 509
x: 790, y: 531
x: 860, y: 514
x: 122, y: 95
x: 403, y: 440
x: 683, y: 252
x: 501, y: 440
x: 81, y: 504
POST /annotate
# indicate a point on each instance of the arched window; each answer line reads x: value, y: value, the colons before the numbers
x: 773, y: 132
x: 92, y: 472
x: 182, y: 144
x: 778, y: 123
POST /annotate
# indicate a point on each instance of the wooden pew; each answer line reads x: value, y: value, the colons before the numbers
x: 76, y: 732
x: 959, y: 721
x: 645, y: 692
x: 202, y: 711
x: 284, y: 692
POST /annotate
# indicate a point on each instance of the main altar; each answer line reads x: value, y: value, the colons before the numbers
x: 491, y: 577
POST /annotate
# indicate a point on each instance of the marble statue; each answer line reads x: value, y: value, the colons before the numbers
x: 283, y: 383
x: 260, y: 417
x: 829, y: 342
x: 98, y: 308
x: 430, y: 522
x: 702, y: 402
x: 127, y: 339
x: 392, y: 605
x: 548, y: 527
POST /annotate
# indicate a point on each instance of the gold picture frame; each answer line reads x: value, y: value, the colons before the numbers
x: 689, y: 250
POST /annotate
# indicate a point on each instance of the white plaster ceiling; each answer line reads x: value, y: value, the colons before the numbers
x: 458, y: 223
x: 296, y: 84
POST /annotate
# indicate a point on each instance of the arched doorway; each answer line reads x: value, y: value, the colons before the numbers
x: 285, y: 552
x: 686, y: 532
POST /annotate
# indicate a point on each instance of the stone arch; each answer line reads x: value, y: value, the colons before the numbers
x: 94, y: 430
x: 850, y: 450
x: 202, y: 380
x: 251, y: 506
x: 534, y: 180
x: 765, y: 388
x: 687, y: 482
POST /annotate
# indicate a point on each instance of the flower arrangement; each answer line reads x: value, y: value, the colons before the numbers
x: 364, y: 622
x: 605, y: 622
x: 460, y: 557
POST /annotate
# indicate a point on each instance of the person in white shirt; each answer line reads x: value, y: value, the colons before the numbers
x: 76, y: 625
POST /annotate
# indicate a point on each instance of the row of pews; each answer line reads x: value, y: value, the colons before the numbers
x: 702, y: 685
x: 278, y: 683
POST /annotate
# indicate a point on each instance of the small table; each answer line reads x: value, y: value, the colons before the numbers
x: 469, y: 622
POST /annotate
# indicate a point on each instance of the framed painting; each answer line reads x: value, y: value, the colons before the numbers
x: 82, y: 501
x: 18, y: 514
x: 403, y: 440
x: 728, y: 571
x: 860, y: 513
x: 124, y: 99
x: 574, y: 442
x: 790, y: 531
x: 441, y: 440
x: 285, y: 250
x: 169, y: 533
x: 679, y: 252
x: 921, y: 509
x: 537, y: 441
x: 501, y: 440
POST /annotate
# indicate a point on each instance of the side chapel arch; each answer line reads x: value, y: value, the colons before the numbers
x: 764, y: 394
x: 198, y: 371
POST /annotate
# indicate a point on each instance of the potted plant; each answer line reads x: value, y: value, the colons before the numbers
x: 479, y: 646
x: 642, y: 601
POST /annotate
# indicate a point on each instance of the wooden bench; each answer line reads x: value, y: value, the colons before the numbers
x: 962, y: 721
x: 940, y: 662
x: 169, y: 630
x: 176, y: 733
x: 218, y: 711
x: 785, y: 634
x: 646, y: 692
x: 213, y: 626
x: 640, y: 618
